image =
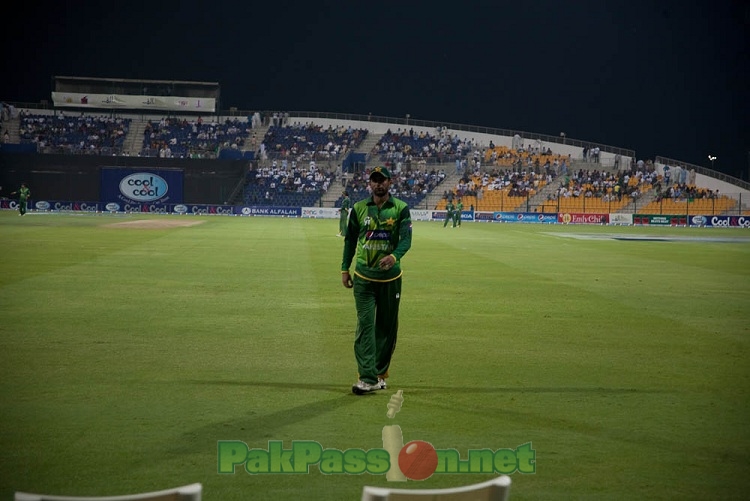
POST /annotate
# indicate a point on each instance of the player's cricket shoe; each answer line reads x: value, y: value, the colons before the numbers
x: 362, y: 387
x: 382, y: 383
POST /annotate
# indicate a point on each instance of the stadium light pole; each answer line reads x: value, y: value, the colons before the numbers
x: 712, y: 158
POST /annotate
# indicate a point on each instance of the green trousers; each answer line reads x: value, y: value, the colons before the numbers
x: 377, y: 326
x: 343, y: 219
x: 448, y: 217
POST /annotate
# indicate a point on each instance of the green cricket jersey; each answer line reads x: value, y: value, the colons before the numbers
x: 23, y: 194
x: 375, y: 233
x: 346, y: 204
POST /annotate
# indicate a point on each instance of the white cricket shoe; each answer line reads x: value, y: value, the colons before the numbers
x: 361, y: 387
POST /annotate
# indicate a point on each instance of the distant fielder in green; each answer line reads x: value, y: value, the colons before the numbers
x: 457, y: 213
x: 23, y: 198
x: 379, y: 234
x: 346, y: 204
x: 449, y: 212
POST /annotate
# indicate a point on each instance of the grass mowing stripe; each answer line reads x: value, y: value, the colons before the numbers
x: 127, y: 353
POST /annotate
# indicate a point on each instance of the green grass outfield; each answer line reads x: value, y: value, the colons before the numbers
x: 127, y: 354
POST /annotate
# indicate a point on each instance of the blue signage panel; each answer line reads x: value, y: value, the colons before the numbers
x: 721, y: 221
x: 525, y: 217
x: 136, y: 188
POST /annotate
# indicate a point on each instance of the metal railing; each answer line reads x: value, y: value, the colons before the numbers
x: 706, y: 172
x: 70, y: 149
x: 728, y: 205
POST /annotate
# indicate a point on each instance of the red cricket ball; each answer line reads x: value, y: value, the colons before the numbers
x: 418, y: 460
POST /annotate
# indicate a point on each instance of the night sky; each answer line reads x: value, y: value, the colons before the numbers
x: 668, y: 78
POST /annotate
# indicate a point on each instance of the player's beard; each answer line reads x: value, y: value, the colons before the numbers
x: 380, y: 190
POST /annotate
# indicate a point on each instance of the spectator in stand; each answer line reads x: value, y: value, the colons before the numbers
x: 61, y: 134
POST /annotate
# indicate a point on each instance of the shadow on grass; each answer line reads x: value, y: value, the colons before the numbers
x: 337, y: 388
x: 632, y: 431
x: 259, y: 427
x: 528, y: 389
x: 254, y: 428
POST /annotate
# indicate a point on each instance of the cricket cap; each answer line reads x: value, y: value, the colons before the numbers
x: 380, y: 170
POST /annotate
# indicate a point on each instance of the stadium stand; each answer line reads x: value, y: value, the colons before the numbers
x: 498, y: 190
x: 598, y: 192
x: 527, y: 170
x: 689, y: 199
x: 423, y: 147
x: 487, y: 178
x: 310, y: 142
x: 84, y: 134
x: 410, y: 186
x: 286, y: 186
x: 503, y: 156
x: 180, y: 138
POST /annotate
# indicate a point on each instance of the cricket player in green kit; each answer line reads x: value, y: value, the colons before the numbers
x: 346, y: 204
x: 23, y: 198
x: 449, y: 212
x: 378, y: 234
x: 457, y: 211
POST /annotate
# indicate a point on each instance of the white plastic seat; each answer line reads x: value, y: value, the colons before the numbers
x: 190, y: 492
x: 496, y: 489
